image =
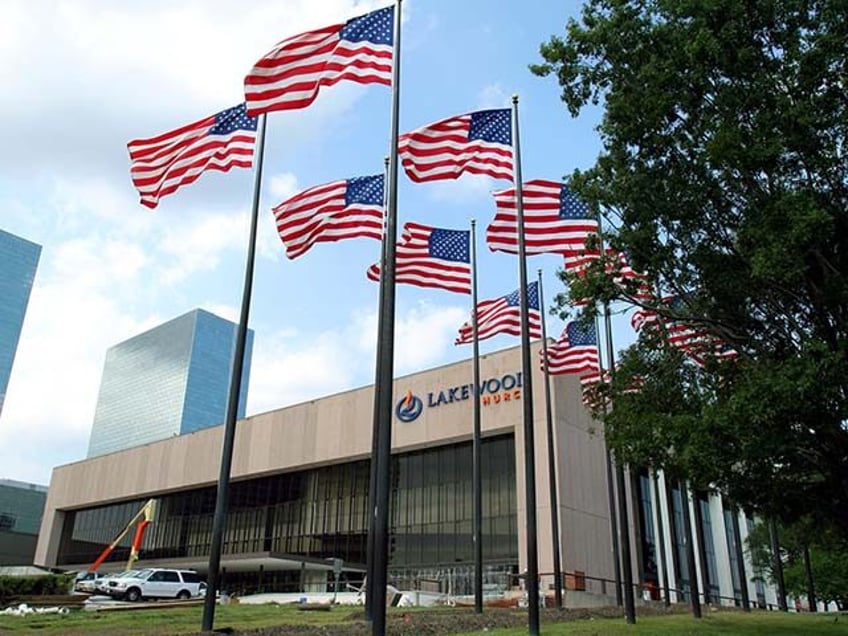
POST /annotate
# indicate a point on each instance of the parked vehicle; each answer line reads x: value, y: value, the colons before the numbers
x: 86, y: 581
x: 102, y: 584
x: 157, y: 583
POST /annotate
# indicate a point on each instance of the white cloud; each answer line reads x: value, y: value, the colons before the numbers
x: 291, y: 366
x: 53, y: 389
x: 196, y: 243
x: 282, y: 186
x: 493, y: 96
x: 471, y: 188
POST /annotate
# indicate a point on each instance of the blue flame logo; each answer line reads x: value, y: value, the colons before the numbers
x: 409, y: 407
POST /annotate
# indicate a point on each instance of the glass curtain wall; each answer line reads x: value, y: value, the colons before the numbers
x: 732, y: 547
x: 321, y: 513
x: 650, y: 573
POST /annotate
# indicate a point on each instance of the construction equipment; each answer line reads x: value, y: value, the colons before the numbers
x: 143, y: 517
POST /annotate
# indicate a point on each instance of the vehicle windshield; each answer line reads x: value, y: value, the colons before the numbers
x: 127, y: 574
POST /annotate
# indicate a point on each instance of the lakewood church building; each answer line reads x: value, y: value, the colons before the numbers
x: 299, y: 497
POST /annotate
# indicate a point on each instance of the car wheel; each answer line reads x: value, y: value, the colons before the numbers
x: 133, y: 594
x: 184, y: 595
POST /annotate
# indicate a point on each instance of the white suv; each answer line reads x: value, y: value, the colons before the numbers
x: 157, y: 583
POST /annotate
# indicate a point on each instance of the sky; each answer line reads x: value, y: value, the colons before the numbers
x: 82, y: 78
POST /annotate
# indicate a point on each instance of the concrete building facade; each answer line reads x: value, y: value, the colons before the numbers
x: 300, y: 489
x: 18, y: 262
x: 170, y: 380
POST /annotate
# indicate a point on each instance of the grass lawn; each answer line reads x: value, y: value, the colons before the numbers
x: 186, y: 620
x: 712, y: 624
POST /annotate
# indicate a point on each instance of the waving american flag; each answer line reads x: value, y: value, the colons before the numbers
x: 555, y: 220
x: 291, y: 74
x: 431, y: 257
x: 476, y: 143
x: 503, y: 315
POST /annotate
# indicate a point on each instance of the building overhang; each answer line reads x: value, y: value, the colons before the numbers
x: 248, y: 562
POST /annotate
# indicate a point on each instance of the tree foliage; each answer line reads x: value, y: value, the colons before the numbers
x: 724, y: 176
x: 828, y: 553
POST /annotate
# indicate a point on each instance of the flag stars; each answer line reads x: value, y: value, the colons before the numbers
x: 375, y: 27
x: 579, y: 336
x: 532, y: 297
x: 494, y: 126
x: 450, y: 245
x: 364, y: 190
x: 571, y: 207
x: 235, y: 118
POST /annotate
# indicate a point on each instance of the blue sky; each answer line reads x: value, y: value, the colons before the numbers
x: 89, y: 76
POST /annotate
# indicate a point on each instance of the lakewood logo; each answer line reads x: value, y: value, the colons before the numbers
x: 495, y: 390
x: 409, y: 407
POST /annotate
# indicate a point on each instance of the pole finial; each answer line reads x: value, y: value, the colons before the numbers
x: 515, y: 98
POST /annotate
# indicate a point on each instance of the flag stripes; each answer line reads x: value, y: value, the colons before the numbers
x: 331, y: 212
x: 554, y: 220
x: 503, y: 315
x: 161, y: 165
x: 476, y: 143
x: 291, y: 75
x: 431, y: 257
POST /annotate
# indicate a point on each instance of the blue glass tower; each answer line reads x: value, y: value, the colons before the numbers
x: 171, y: 380
x: 18, y: 262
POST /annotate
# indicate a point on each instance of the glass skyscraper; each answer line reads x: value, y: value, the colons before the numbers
x: 18, y: 261
x: 171, y: 380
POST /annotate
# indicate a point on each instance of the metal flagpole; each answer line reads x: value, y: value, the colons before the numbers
x: 375, y: 427
x: 477, y: 466
x: 616, y: 552
x: 552, y: 478
x: 694, y: 595
x: 701, y: 544
x: 386, y: 338
x: 740, y: 561
x: 219, y: 521
x: 778, y: 566
x: 623, y: 521
x: 532, y: 580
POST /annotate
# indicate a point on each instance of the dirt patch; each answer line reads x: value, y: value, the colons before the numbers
x: 442, y: 621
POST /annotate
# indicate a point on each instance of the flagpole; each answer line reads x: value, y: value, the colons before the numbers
x: 552, y: 477
x: 694, y: 593
x: 613, y: 515
x: 623, y: 521
x: 375, y: 427
x: 477, y: 467
x: 386, y: 338
x: 532, y: 580
x: 219, y: 521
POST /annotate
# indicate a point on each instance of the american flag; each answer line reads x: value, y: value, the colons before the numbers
x: 555, y: 220
x: 162, y: 164
x: 576, y: 351
x: 432, y: 257
x: 503, y: 315
x: 643, y: 317
x: 291, y: 74
x: 591, y: 386
x: 331, y: 212
x: 476, y: 143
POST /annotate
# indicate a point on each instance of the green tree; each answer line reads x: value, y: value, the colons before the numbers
x: 724, y: 176
x: 828, y: 552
